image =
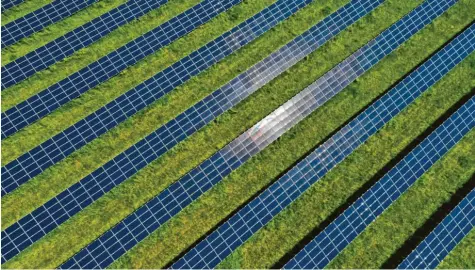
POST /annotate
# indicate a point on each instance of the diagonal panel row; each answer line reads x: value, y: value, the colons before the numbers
x: 336, y: 236
x: 57, y: 210
x: 172, y: 200
x: 81, y: 37
x: 256, y: 214
x: 60, y: 146
x: 6, y: 4
x: 39, y: 19
x: 445, y: 237
x: 43, y: 103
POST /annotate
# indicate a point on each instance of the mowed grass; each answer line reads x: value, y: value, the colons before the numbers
x: 57, y: 30
x: 59, y: 177
x: 172, y: 238
x: 22, y: 9
x: 377, y: 244
x: 126, y: 80
x: 461, y: 257
x: 270, y: 245
x: 80, y: 59
x: 146, y: 184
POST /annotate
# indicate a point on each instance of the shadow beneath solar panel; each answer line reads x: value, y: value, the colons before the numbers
x: 397, y: 256
x: 429, y: 225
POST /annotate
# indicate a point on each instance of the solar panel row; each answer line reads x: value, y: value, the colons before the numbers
x: 6, y: 4
x: 445, y: 237
x: 81, y: 37
x: 53, y: 150
x: 336, y: 236
x: 110, y: 65
x: 168, y: 203
x: 57, y: 210
x: 256, y: 214
x: 39, y: 19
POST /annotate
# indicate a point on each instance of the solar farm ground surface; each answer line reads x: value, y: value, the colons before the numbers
x: 385, y: 243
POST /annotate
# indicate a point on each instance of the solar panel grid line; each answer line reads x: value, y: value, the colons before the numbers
x: 43, y: 103
x: 7, y: 4
x: 323, y: 158
x: 388, y: 189
x: 84, y: 188
x: 204, y: 178
x: 39, y: 19
x: 22, y: 169
x: 444, y: 238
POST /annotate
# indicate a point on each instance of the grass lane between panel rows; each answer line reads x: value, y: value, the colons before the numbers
x: 397, y: 224
x: 80, y: 59
x: 79, y: 164
x: 57, y: 30
x: 22, y: 9
x: 462, y: 256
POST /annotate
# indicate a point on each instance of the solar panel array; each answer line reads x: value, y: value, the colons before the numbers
x: 64, y: 46
x: 180, y: 194
x: 39, y: 19
x: 270, y: 202
x: 336, y: 236
x: 53, y: 97
x: 6, y: 4
x: 256, y: 214
x: 33, y: 226
x: 55, y: 149
x: 444, y: 238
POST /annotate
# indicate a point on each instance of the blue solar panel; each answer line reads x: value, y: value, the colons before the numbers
x: 55, y: 149
x: 336, y: 236
x: 6, y: 4
x: 114, y: 172
x: 81, y: 37
x: 53, y: 97
x: 39, y: 19
x: 168, y: 203
x: 257, y: 213
x: 445, y: 237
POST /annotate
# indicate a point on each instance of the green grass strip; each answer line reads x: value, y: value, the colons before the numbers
x: 117, y: 204
x: 57, y: 30
x: 101, y: 150
x: 95, y: 98
x: 80, y: 59
x: 462, y: 256
x: 22, y: 9
x: 398, y: 223
x: 268, y: 246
